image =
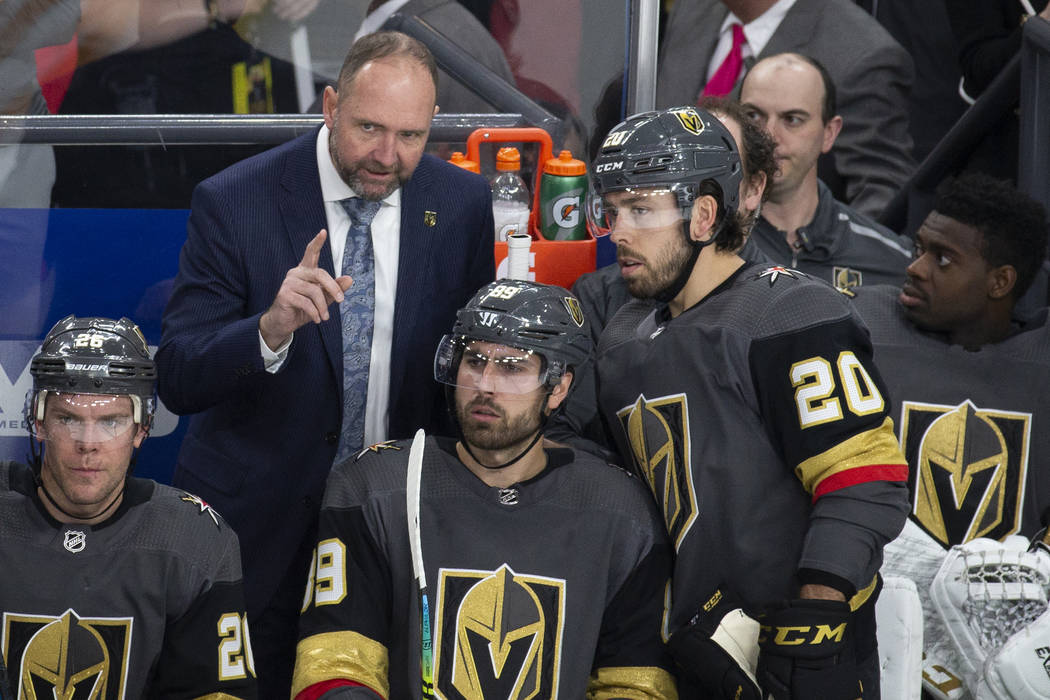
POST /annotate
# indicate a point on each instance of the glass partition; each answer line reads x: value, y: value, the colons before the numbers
x: 111, y: 111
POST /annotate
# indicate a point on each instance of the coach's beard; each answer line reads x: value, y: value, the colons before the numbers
x: 372, y: 191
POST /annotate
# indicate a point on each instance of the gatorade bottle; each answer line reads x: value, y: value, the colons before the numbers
x: 510, y: 195
x: 561, y: 199
x: 462, y: 161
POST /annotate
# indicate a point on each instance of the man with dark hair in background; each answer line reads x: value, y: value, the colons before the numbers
x: 802, y: 225
x: 316, y: 280
x: 968, y: 378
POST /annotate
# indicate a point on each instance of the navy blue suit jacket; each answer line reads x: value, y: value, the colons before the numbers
x: 260, y: 445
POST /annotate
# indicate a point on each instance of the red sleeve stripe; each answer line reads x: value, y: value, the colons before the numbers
x: 861, y: 475
x: 318, y: 689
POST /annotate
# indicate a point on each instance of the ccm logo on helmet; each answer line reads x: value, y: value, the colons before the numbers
x: 791, y: 636
x: 607, y: 167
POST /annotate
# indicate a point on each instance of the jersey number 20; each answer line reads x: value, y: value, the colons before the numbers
x: 814, y: 382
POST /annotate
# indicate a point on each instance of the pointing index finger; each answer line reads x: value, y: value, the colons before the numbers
x: 313, y: 249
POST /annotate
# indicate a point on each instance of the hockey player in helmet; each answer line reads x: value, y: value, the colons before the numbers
x: 549, y: 566
x: 112, y: 586
x: 747, y: 398
x: 91, y: 407
x: 509, y: 363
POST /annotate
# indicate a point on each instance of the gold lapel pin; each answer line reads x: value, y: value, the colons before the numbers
x: 430, y: 218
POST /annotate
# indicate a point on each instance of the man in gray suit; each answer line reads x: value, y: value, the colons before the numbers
x: 871, y: 158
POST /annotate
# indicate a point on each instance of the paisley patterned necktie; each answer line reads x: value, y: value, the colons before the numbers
x: 357, y: 312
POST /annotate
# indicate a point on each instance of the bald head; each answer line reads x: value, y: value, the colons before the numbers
x: 810, y: 68
x: 793, y: 98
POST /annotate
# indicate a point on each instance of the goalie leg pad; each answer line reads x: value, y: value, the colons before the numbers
x: 899, y: 615
x: 718, y: 650
x: 807, y: 651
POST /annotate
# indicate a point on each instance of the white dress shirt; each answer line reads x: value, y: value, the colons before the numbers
x: 757, y: 34
x: 386, y: 229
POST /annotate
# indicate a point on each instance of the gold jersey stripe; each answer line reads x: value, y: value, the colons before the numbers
x: 861, y: 597
x: 218, y: 696
x: 877, y: 446
x: 631, y: 682
x: 347, y: 655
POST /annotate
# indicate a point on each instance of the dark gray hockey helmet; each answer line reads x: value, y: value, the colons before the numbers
x: 94, y: 355
x: 539, y: 318
x: 674, y: 150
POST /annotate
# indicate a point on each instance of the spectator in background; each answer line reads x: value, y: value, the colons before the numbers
x: 967, y: 375
x: 802, y: 225
x: 922, y: 28
x: 872, y: 158
x: 27, y: 171
x: 458, y: 25
x: 988, y: 35
x: 284, y: 362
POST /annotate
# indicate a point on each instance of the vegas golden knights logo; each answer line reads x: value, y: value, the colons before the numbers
x: 499, y: 635
x: 968, y: 468
x: 846, y: 277
x: 658, y: 433
x: 573, y: 307
x: 67, y: 657
x: 690, y: 120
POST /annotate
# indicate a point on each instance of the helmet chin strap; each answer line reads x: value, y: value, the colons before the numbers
x: 671, y: 291
x: 52, y: 501
x: 544, y: 417
x: 532, y: 443
x: 39, y: 479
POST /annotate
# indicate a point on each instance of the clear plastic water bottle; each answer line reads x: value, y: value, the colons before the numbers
x: 510, y: 195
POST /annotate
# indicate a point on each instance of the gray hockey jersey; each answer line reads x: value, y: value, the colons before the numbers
x: 968, y: 423
x: 759, y: 422
x: 551, y: 588
x: 147, y: 604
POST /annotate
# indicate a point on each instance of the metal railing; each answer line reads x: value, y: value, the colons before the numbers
x: 201, y: 129
x: 1033, y: 171
x: 1026, y: 75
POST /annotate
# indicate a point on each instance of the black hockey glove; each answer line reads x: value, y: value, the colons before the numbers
x: 807, y: 652
x: 718, y: 649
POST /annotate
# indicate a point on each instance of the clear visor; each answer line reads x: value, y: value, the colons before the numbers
x: 488, y: 367
x: 86, y: 418
x: 642, y: 209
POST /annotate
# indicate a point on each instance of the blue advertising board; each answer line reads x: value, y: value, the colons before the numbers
x: 87, y: 262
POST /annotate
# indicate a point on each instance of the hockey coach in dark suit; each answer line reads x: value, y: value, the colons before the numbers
x: 316, y: 280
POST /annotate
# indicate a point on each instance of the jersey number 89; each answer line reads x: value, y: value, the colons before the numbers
x: 814, y: 382
x: 327, y: 582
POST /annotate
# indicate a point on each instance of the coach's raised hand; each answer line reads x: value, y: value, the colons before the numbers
x: 304, y: 296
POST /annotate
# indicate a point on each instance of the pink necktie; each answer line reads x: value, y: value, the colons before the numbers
x: 724, y: 79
